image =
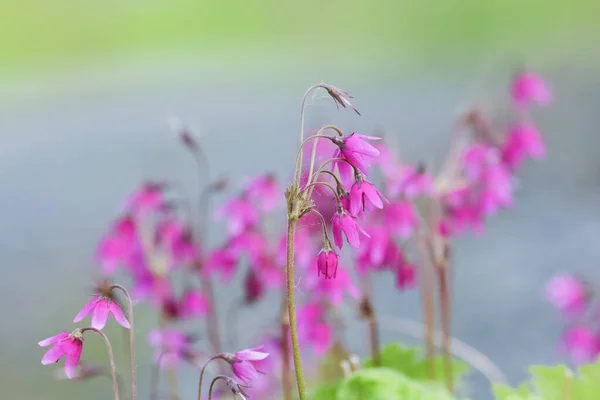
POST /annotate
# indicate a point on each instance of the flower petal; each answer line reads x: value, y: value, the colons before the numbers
x: 53, y: 339
x: 100, y: 314
x: 116, y: 311
x: 337, y: 231
x: 86, y: 309
x: 72, y: 360
x: 53, y: 355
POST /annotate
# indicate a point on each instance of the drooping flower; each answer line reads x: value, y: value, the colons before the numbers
x: 568, y: 294
x: 243, y: 363
x: 65, y: 344
x: 171, y: 346
x: 118, y: 245
x: 253, y: 287
x: 312, y: 327
x: 582, y: 344
x: 410, y: 182
x: 223, y: 261
x: 240, y: 214
x: 100, y: 306
x: 344, y: 222
x: 340, y: 96
x: 362, y: 194
x: 327, y: 262
x: 176, y: 238
x: 401, y: 218
x: 334, y: 290
x: 265, y: 192
x: 528, y: 87
x: 146, y: 199
x: 405, y: 276
x: 193, y: 304
x: 522, y: 141
x: 354, y: 148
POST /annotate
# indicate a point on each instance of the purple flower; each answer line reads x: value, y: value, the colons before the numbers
x: 529, y: 87
x: 356, y: 150
x: 363, y: 193
x: 65, y: 344
x: 327, y: 262
x: 344, y: 222
x: 240, y: 214
x: 171, y: 347
x: 244, y: 362
x: 193, y: 304
x: 582, y: 344
x: 568, y: 294
x: 265, y: 192
x: 100, y: 306
x: 523, y: 141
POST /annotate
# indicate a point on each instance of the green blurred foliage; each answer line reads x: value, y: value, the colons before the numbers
x: 42, y: 31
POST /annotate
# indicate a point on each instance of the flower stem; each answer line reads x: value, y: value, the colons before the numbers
x: 111, y: 359
x: 131, y: 340
x: 291, y: 305
x: 286, y: 373
x: 445, y: 311
x: 368, y: 312
x: 202, y: 374
x: 212, y: 384
x: 427, y: 306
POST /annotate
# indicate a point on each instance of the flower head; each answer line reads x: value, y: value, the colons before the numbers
x: 344, y: 222
x: 118, y: 245
x: 327, y: 262
x: 244, y: 362
x: 65, y: 344
x: 171, y: 347
x: 354, y: 148
x: 193, y: 304
x: 341, y: 97
x: 312, y: 327
x: 568, y: 294
x: 240, y: 214
x: 522, y: 141
x: 146, y: 199
x: 529, y: 87
x: 100, y: 306
x: 265, y: 192
x: 362, y: 194
x: 582, y: 344
x: 253, y: 287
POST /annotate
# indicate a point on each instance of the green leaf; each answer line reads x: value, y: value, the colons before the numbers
x: 411, y: 362
x: 387, y: 384
x: 326, y: 391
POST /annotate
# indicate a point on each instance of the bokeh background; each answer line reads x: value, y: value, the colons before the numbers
x: 87, y: 90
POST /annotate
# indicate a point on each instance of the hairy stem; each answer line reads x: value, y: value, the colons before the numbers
x: 291, y: 305
x: 111, y: 359
x: 445, y: 311
x: 286, y: 372
x: 131, y: 340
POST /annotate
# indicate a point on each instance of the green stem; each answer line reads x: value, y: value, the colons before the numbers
x: 286, y: 373
x: 445, y: 310
x: 291, y: 303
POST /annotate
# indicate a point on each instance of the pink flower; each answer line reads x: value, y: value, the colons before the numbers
x: 177, y: 239
x: 334, y: 290
x: 312, y: 328
x: 265, y: 192
x: 65, y: 344
x: 344, y: 222
x: 253, y: 287
x: 100, y: 307
x: 171, y: 347
x: 523, y: 141
x: 146, y: 199
x: 568, y: 294
x: 252, y: 242
x: 193, y: 304
x: 582, y: 344
x: 356, y: 150
x: 118, y: 245
x: 405, y: 276
x: 401, y: 218
x: 327, y: 262
x: 363, y: 193
x: 243, y: 364
x: 223, y: 261
x: 410, y: 182
x: 529, y: 87
x: 372, y: 253
x: 240, y: 214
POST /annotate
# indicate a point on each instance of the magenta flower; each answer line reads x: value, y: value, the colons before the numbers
x: 253, y: 287
x: 193, y: 304
x: 265, y: 192
x: 410, y: 182
x: 251, y: 242
x: 405, y: 276
x: 523, y: 141
x: 356, y: 150
x: 401, y: 218
x: 100, y: 306
x: 171, y: 347
x: 312, y: 327
x: 582, y: 344
x: 177, y: 239
x: 333, y: 290
x: 146, y: 199
x: 118, y: 245
x: 240, y: 214
x: 224, y: 262
x: 373, y: 252
x: 529, y: 87
x: 65, y: 344
x: 327, y: 262
x: 568, y: 294
x: 344, y: 222
x: 363, y: 193
x: 244, y: 362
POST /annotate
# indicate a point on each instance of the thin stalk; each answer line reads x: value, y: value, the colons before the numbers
x: 214, y: 381
x: 302, y: 113
x: 427, y: 305
x: 291, y: 305
x: 211, y: 317
x: 323, y: 224
x: 374, y: 338
x: 307, y: 187
x: 568, y: 384
x: 202, y: 374
x: 111, y: 359
x: 286, y: 372
x: 314, y: 149
x: 131, y: 340
x: 298, y: 162
x: 445, y: 311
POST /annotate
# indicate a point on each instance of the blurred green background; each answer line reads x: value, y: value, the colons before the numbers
x: 87, y: 88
